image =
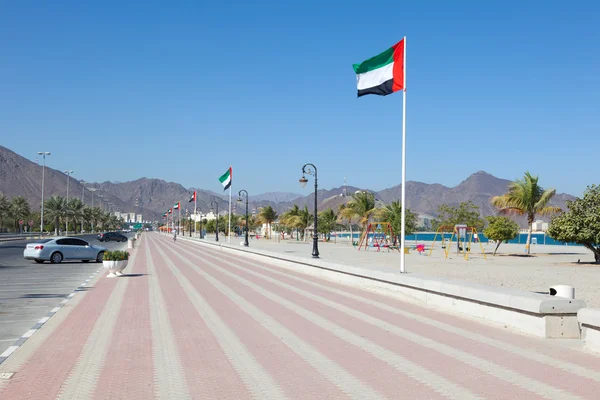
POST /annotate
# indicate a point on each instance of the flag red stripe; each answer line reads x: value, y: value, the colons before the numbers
x: 398, y: 66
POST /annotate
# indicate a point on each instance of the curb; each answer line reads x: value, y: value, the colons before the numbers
x: 42, y: 321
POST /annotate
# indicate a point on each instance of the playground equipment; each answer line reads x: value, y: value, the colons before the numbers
x: 464, y: 239
x: 379, y: 235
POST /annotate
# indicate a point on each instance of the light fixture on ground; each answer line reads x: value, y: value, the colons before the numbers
x: 214, y: 203
x: 43, y: 154
x: 312, y: 170
x: 245, y: 193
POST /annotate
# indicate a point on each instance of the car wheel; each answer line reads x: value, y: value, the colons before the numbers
x: 100, y: 257
x: 56, y: 258
x: 106, y: 239
x: 39, y: 261
x: 85, y: 261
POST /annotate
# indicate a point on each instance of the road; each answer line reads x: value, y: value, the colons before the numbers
x: 29, y: 291
x: 190, y: 321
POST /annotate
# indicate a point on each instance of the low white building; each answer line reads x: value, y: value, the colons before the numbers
x: 539, y: 226
x: 138, y: 218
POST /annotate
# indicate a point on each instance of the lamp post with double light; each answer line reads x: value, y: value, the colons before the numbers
x: 312, y: 170
x: 245, y: 193
x: 43, y: 154
x: 68, y: 172
x: 214, y: 203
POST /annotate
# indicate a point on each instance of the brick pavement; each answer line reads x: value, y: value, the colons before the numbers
x: 190, y: 322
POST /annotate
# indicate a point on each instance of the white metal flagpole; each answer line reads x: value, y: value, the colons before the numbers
x: 403, y: 228
x: 229, y: 234
x: 195, y: 213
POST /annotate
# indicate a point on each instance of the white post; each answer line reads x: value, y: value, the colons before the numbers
x: 403, y: 228
x: 195, y: 213
x: 229, y: 234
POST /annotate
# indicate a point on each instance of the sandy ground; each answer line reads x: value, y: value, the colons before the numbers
x: 511, y: 267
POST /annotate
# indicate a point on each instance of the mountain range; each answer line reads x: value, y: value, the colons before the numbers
x: 151, y: 197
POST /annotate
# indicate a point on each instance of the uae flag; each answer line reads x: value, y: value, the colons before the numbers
x: 382, y: 74
x: 170, y: 210
x: 176, y: 206
x: 193, y: 198
x: 164, y: 215
x: 225, y: 179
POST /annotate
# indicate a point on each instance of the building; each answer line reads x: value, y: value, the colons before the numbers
x: 424, y: 221
x: 138, y: 218
x: 539, y: 226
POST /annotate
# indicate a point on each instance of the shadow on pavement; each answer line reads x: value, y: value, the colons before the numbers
x: 42, y: 295
x: 131, y: 275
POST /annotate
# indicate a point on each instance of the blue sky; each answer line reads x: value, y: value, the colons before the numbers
x: 181, y: 90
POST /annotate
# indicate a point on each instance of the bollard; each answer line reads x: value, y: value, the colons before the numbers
x: 130, y: 243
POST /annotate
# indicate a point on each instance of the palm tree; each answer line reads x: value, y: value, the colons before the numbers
x: 345, y: 212
x: 19, y: 209
x: 88, y: 216
x: 526, y: 197
x: 55, y: 208
x: 361, y: 206
x: 392, y: 213
x: 292, y: 219
x: 4, y: 209
x: 75, y: 209
x: 327, y: 222
x: 266, y: 215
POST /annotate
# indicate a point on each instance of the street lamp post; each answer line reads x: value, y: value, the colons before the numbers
x: 312, y: 170
x: 245, y: 193
x: 68, y: 172
x: 43, y: 154
x: 82, y: 198
x: 217, y: 224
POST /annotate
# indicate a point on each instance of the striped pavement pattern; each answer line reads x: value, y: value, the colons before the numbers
x: 190, y: 322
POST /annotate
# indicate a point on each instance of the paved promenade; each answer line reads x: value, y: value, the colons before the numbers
x: 190, y: 322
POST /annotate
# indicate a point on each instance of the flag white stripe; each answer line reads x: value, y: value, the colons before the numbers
x: 376, y: 77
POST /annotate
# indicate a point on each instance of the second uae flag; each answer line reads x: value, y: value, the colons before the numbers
x: 382, y: 74
x: 225, y: 179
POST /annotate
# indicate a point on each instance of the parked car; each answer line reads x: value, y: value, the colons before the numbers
x: 63, y: 248
x: 115, y: 236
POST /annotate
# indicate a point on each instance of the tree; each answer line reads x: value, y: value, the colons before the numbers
x: 75, y: 209
x: 581, y: 224
x: 266, y: 215
x: 526, y: 197
x: 291, y: 218
x: 392, y: 213
x: 500, y: 229
x: 19, y: 209
x: 327, y: 221
x: 55, y: 208
x: 4, y: 209
x: 361, y: 206
x: 465, y: 213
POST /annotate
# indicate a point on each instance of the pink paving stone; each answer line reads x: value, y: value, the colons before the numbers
x: 462, y: 374
x: 208, y: 372
x: 542, y: 346
x: 292, y: 373
x: 374, y: 372
x: 128, y: 371
x: 553, y: 376
x: 42, y: 376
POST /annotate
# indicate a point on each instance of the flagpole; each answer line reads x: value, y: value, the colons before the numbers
x: 229, y: 234
x: 195, y: 214
x: 403, y: 228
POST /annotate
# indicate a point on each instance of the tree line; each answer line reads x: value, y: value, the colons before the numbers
x: 57, y: 210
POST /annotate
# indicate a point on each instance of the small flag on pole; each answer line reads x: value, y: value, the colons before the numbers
x: 225, y: 179
x: 164, y: 215
x: 193, y: 198
x: 176, y: 206
x: 170, y: 210
x: 382, y: 74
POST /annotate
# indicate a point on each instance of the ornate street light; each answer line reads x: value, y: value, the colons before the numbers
x: 214, y: 203
x: 245, y: 193
x: 312, y: 170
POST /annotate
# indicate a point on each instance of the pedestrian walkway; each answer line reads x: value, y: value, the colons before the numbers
x: 188, y: 321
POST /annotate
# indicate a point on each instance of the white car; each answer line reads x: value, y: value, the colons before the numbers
x: 61, y: 249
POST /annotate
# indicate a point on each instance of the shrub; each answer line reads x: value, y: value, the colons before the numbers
x: 117, y: 255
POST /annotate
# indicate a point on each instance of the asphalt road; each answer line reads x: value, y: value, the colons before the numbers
x: 28, y: 291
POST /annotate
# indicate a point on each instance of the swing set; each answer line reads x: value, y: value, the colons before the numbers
x: 464, y: 239
x: 379, y: 235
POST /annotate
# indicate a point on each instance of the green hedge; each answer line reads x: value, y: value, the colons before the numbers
x: 117, y: 255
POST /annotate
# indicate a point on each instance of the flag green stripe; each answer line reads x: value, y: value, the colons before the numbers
x: 224, y: 177
x: 373, y: 63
